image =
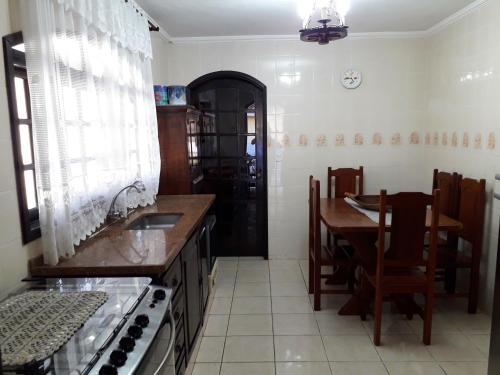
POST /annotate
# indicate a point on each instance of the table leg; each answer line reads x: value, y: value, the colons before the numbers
x: 366, y: 252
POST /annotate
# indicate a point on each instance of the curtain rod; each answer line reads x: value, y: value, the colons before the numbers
x: 152, y: 26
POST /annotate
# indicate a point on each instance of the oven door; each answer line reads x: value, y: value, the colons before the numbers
x: 159, y: 359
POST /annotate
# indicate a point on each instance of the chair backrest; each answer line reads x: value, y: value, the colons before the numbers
x: 347, y: 180
x: 471, y: 210
x: 449, y: 187
x: 408, y: 228
x: 314, y: 215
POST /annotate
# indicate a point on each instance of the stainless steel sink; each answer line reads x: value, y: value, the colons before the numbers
x: 154, y: 221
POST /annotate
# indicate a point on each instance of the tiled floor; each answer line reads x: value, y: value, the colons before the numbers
x: 261, y: 322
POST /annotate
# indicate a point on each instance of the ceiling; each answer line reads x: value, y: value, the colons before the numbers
x: 204, y: 18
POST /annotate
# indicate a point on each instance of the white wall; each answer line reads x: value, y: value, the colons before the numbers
x: 464, y: 91
x: 13, y: 256
x: 305, y: 97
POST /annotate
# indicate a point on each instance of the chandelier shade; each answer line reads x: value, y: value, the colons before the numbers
x: 329, y: 14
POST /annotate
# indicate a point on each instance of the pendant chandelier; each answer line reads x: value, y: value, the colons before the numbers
x: 330, y: 14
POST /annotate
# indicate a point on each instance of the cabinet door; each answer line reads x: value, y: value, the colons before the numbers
x: 191, y: 275
x: 203, y: 250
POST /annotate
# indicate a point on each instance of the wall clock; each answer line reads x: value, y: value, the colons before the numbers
x: 351, y: 79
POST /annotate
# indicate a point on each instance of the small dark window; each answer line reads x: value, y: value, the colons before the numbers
x: 22, y: 137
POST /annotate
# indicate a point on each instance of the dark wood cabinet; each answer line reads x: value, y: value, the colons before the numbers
x: 179, y: 135
x: 192, y: 282
x: 187, y: 276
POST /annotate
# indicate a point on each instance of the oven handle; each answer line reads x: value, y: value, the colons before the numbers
x: 171, y: 322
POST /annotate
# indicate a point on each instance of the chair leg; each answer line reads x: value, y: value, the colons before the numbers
x: 429, y: 304
x: 378, y: 316
x: 311, y: 274
x: 474, y: 287
x: 329, y: 239
x: 317, y: 285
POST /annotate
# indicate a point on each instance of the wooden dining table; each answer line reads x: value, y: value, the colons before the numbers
x: 362, y: 232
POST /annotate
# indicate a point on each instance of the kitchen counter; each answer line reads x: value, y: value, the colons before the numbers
x: 116, y: 251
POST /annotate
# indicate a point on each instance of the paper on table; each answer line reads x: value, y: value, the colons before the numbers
x: 372, y: 215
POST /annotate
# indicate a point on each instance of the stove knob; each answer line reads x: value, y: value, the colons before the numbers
x: 108, y: 370
x: 127, y: 344
x: 142, y: 320
x: 159, y: 294
x: 135, y: 331
x: 118, y: 358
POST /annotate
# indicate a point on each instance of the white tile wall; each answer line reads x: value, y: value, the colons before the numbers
x: 463, y: 86
x: 13, y: 256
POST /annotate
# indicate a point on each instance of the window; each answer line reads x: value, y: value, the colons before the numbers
x: 22, y: 140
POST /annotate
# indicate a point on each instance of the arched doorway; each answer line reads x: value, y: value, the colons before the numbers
x: 234, y: 158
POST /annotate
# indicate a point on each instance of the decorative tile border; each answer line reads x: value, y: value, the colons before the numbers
x: 414, y: 138
x: 377, y: 139
x: 359, y: 140
x: 480, y: 141
x: 396, y: 139
x: 321, y: 140
x: 340, y: 140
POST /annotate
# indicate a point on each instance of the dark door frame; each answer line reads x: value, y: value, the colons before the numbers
x: 230, y: 74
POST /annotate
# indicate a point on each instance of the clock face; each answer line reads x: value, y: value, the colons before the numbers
x: 351, y: 79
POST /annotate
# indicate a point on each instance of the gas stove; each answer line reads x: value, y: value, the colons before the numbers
x: 131, y: 333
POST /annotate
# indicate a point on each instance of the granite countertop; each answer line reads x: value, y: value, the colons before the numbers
x: 116, y: 251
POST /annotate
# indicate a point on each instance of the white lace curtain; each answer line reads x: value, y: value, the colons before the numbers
x: 93, y: 110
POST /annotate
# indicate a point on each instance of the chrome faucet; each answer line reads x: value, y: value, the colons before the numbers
x: 114, y: 213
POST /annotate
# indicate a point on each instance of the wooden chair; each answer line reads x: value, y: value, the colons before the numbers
x: 318, y: 256
x: 403, y: 270
x: 343, y: 180
x: 347, y: 180
x: 449, y: 187
x: 471, y: 215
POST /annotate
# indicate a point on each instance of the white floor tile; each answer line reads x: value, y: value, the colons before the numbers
x: 482, y: 342
x: 465, y: 368
x: 284, y: 276
x: 295, y: 324
x: 206, y: 369
x: 297, y: 289
x: 403, y: 348
x: 216, y: 325
x: 263, y: 368
x: 291, y: 305
x: 350, y: 348
x: 270, y: 298
x: 250, y: 325
x: 252, y: 276
x: 333, y: 324
x: 251, y: 305
x: 249, y: 349
x: 253, y: 266
x: 252, y: 290
x: 441, y: 323
x: 303, y: 368
x: 358, y: 368
x: 211, y: 349
x: 299, y: 349
x: 471, y: 323
x: 414, y: 368
x: 330, y: 304
x: 454, y: 348
x: 223, y: 290
x: 392, y: 324
x: 221, y: 306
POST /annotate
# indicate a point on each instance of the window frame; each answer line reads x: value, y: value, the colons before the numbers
x: 15, y: 66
